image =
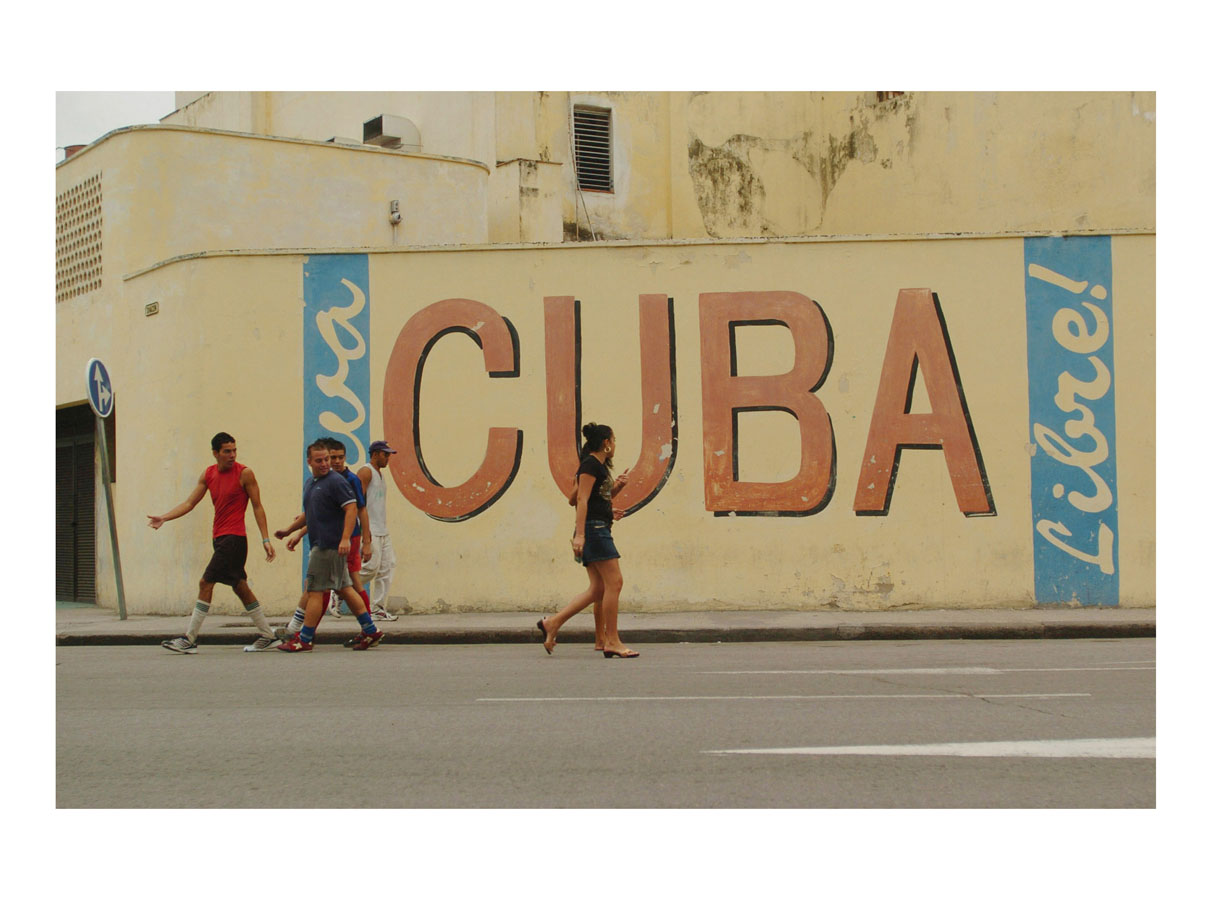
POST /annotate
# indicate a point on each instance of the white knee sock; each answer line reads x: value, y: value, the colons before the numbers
x: 195, y: 622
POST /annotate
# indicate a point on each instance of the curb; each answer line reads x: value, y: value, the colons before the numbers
x: 889, y: 632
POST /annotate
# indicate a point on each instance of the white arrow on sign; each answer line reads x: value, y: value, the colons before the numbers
x: 103, y: 393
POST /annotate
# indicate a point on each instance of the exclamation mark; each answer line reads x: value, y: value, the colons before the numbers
x: 1043, y: 273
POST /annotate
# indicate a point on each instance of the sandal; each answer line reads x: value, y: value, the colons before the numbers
x: 543, y: 629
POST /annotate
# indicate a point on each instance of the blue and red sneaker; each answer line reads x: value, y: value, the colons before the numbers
x: 293, y: 644
x: 365, y: 641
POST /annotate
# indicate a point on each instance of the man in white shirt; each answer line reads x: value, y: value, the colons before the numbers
x: 377, y: 571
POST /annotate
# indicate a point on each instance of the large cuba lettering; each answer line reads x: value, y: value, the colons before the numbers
x: 918, y: 343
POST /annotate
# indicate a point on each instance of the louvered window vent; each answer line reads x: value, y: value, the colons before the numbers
x: 591, y: 128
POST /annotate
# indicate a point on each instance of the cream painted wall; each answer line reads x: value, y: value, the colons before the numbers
x: 927, y: 162
x: 224, y: 353
x: 750, y: 164
x: 452, y: 123
x: 222, y: 110
x: 523, y: 203
x: 518, y: 123
x: 1134, y: 267
x: 221, y: 355
x: 638, y: 206
x: 170, y: 191
x: 768, y: 164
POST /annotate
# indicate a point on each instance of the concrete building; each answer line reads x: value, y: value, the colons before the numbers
x: 864, y: 350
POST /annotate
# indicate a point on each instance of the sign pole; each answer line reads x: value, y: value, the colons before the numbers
x: 103, y: 444
x: 101, y: 399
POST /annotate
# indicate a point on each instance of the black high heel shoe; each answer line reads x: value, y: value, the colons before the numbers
x: 543, y: 629
x: 609, y: 654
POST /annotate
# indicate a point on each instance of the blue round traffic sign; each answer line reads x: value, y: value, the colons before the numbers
x: 100, y: 388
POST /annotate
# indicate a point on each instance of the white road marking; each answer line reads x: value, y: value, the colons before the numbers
x: 976, y: 670
x: 953, y: 696
x: 958, y: 670
x: 1083, y: 748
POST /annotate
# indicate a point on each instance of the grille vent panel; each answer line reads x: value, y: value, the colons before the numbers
x: 591, y: 128
x: 78, y: 239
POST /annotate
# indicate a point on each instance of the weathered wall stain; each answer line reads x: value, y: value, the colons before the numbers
x: 579, y: 231
x: 856, y: 144
x: 729, y: 193
x: 729, y: 184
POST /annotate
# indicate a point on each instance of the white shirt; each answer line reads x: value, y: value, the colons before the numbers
x: 376, y: 503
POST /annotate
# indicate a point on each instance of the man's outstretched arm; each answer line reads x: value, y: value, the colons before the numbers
x: 183, y: 507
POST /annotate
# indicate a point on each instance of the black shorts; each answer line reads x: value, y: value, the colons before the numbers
x: 227, y: 565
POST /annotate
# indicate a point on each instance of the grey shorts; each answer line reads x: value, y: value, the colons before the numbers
x: 327, y: 570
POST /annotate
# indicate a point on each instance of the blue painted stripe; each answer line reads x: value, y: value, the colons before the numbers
x: 1071, y: 395
x: 336, y: 355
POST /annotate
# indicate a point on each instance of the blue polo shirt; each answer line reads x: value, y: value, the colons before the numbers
x: 324, y: 502
x: 356, y: 483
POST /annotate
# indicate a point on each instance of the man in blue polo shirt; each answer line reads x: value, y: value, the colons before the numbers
x: 360, y: 548
x: 329, y: 510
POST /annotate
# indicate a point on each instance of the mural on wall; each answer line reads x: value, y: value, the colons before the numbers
x: 336, y: 355
x: 1070, y: 370
x: 1073, y: 477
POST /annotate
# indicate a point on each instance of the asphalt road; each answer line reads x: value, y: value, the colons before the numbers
x: 964, y: 724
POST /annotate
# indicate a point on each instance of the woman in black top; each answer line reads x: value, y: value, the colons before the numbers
x: 592, y: 544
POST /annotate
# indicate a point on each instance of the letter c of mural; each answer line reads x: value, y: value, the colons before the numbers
x: 402, y: 401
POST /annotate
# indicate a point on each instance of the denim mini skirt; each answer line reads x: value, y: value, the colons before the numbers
x: 599, y: 545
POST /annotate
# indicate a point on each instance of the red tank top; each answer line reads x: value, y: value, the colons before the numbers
x: 229, y: 498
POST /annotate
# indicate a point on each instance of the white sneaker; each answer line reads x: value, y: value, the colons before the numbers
x: 334, y: 607
x: 381, y: 615
x: 263, y: 643
x: 180, y: 645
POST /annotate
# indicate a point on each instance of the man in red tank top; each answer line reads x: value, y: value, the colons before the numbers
x: 232, y: 486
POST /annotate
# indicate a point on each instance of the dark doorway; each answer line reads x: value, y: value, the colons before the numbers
x: 75, y: 518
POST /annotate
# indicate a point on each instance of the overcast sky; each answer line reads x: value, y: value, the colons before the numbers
x: 83, y: 116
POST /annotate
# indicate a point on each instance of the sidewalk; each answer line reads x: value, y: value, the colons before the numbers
x: 77, y: 625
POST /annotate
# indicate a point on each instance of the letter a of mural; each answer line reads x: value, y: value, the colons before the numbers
x: 1070, y: 367
x: 336, y: 354
x: 919, y: 343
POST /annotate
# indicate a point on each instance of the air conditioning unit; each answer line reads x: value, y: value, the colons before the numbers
x: 393, y: 132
